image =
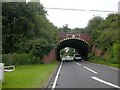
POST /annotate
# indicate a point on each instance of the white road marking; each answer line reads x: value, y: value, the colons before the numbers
x: 78, y: 64
x: 90, y: 70
x: 105, y: 82
x: 103, y: 65
x: 56, y: 78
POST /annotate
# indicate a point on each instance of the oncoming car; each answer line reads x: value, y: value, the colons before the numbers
x: 67, y: 58
x: 77, y: 57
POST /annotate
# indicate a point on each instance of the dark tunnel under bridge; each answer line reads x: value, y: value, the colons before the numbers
x: 80, y: 45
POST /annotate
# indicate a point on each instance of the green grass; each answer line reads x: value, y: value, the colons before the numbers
x: 0, y: 84
x: 29, y: 76
x: 99, y: 60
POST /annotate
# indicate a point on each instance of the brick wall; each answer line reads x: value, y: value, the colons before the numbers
x: 96, y: 51
x: 50, y: 57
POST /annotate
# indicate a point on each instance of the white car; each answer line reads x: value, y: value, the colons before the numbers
x: 67, y: 58
x: 77, y: 57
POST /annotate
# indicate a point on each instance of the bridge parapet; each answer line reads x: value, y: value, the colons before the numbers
x: 84, y: 36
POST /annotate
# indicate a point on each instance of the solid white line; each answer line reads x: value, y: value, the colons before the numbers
x: 78, y: 64
x: 105, y: 82
x: 56, y: 78
x: 90, y: 70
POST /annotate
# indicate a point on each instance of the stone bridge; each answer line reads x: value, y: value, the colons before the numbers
x: 81, y: 42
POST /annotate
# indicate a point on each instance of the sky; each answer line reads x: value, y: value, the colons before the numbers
x: 77, y: 18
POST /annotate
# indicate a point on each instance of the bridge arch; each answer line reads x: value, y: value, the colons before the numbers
x: 82, y: 46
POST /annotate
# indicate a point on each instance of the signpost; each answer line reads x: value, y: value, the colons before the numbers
x: 1, y: 74
x: 2, y: 71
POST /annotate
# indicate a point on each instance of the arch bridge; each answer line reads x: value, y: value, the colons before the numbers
x: 81, y: 42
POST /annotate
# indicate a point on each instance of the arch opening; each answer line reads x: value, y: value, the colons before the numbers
x: 68, y: 52
x: 81, y: 46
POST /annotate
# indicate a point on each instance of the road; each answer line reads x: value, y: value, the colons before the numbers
x: 85, y: 75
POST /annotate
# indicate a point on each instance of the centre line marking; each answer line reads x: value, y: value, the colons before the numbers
x: 105, y: 82
x: 56, y: 78
x: 90, y: 70
x: 78, y: 64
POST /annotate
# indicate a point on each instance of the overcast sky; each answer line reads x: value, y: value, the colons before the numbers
x: 77, y: 18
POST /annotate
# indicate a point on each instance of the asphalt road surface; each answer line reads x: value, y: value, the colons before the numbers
x: 83, y: 74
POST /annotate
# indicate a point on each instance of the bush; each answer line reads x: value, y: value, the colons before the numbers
x: 17, y: 59
x: 6, y: 58
x: 39, y: 48
x: 20, y: 59
x: 96, y: 58
x: 116, y: 51
x: 112, y: 54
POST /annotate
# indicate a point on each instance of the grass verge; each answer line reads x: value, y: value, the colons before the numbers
x: 29, y: 76
x: 100, y: 60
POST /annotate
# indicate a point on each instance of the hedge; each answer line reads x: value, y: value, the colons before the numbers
x: 17, y: 59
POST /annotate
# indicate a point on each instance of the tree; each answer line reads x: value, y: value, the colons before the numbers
x: 105, y: 33
x: 65, y: 29
x: 25, y: 29
x: 78, y: 30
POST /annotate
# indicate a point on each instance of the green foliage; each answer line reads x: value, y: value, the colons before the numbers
x: 107, y: 39
x: 39, y: 47
x: 65, y: 28
x: 62, y: 52
x: 116, y: 49
x: 23, y: 22
x: 17, y: 59
x: 102, y: 60
x: 6, y: 58
x: 78, y: 30
x: 103, y: 30
x: 94, y: 24
x: 35, y: 50
x: 115, y: 52
x: 25, y: 29
x: 104, y: 33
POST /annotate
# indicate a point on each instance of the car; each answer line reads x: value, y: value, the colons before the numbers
x: 67, y: 58
x: 77, y: 57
